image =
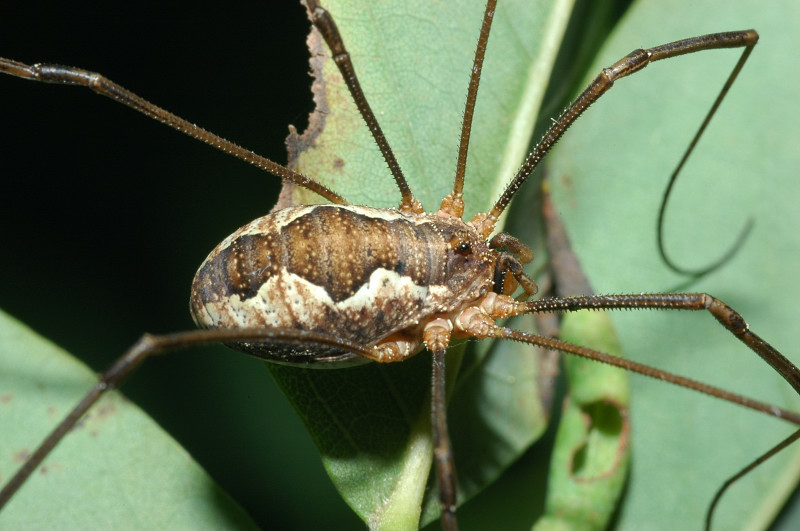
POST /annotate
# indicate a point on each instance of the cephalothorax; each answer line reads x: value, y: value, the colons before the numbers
x: 340, y: 284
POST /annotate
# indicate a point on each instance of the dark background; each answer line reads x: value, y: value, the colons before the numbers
x: 106, y: 215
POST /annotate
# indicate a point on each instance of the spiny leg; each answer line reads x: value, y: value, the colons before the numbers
x: 569, y: 278
x: 436, y: 337
x: 633, y: 62
x: 65, y: 75
x: 555, y: 344
x: 324, y: 22
x: 646, y: 370
x: 147, y: 346
x: 479, y: 322
x: 442, y: 448
x: 724, y: 314
x: 453, y: 203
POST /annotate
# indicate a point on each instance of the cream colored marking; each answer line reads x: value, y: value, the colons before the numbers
x: 436, y: 333
x: 276, y: 303
x: 474, y: 322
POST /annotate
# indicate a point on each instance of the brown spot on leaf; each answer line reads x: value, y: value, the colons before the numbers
x: 296, y: 144
x: 21, y: 456
x: 609, y: 418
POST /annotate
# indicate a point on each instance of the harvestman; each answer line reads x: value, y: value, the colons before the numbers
x: 470, y: 308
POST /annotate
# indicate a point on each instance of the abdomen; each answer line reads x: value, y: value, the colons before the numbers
x: 355, y: 273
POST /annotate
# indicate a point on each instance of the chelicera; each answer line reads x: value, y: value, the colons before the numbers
x: 473, y: 278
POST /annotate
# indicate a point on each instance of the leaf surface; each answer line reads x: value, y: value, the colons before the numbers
x: 132, y: 458
x: 608, y: 176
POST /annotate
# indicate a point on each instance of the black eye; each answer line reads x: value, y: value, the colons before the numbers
x: 463, y: 248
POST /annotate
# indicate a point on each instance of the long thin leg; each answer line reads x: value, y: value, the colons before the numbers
x: 646, y: 370
x: 569, y: 278
x: 147, y: 346
x: 453, y: 204
x: 327, y: 27
x: 479, y: 322
x: 699, y: 272
x: 65, y: 75
x: 746, y: 470
x: 436, y: 337
x: 724, y: 314
x: 442, y: 449
x: 633, y: 62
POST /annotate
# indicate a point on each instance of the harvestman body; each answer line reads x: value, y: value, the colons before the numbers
x: 340, y: 284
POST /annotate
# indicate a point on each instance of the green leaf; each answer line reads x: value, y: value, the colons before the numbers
x: 592, y: 450
x: 608, y: 176
x: 132, y: 455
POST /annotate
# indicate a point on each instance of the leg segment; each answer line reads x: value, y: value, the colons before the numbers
x: 65, y: 75
x: 633, y: 62
x: 442, y: 448
x: 479, y: 321
x: 723, y: 313
x: 437, y: 336
x: 147, y: 346
x: 327, y: 27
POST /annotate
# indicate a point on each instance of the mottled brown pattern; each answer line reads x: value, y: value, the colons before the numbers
x: 267, y: 273
x: 339, y: 249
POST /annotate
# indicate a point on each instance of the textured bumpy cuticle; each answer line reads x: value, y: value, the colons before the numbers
x: 375, y: 277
